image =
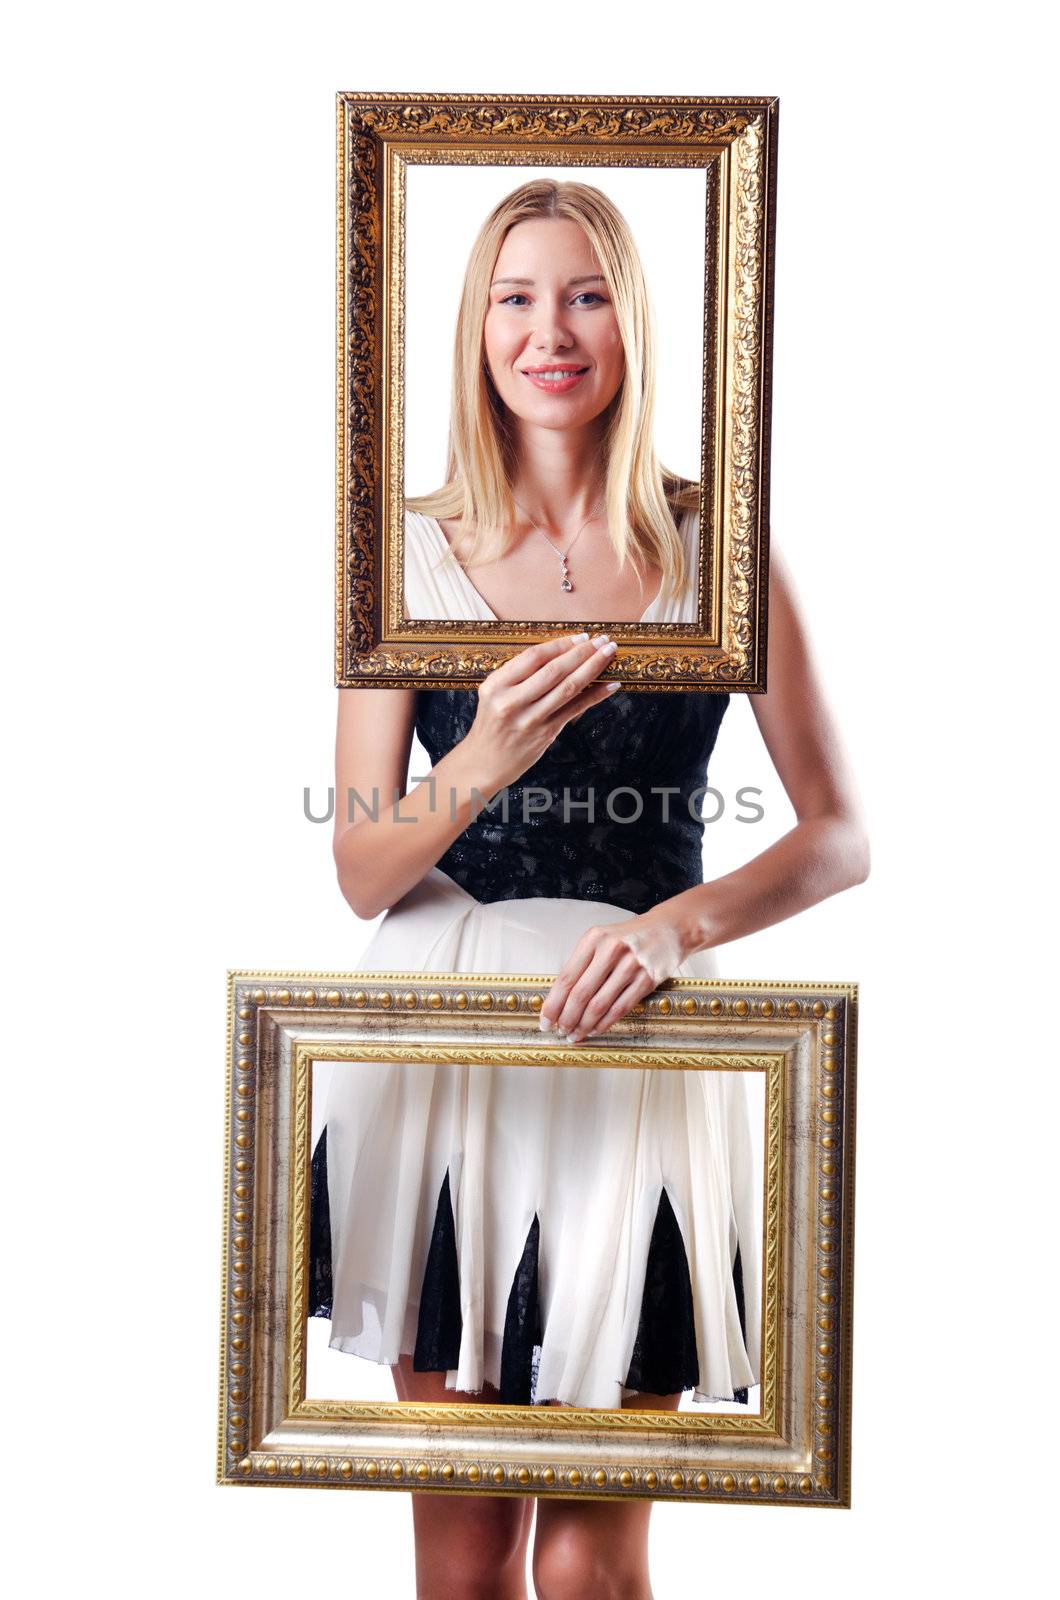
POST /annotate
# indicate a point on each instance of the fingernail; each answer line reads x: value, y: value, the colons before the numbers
x: 608, y: 649
x: 578, y: 637
x: 611, y: 687
x: 544, y: 1024
x: 600, y: 640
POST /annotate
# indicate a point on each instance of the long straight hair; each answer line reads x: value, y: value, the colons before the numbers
x: 642, y: 497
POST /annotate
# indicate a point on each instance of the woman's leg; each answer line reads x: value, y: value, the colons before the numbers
x: 467, y: 1548
x: 596, y: 1551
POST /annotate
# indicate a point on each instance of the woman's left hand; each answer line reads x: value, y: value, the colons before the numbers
x: 610, y: 970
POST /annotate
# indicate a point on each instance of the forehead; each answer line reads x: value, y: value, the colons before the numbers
x: 546, y: 245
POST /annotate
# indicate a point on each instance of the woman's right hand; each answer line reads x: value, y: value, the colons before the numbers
x: 524, y: 703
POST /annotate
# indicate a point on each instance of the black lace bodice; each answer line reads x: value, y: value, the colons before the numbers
x: 610, y: 812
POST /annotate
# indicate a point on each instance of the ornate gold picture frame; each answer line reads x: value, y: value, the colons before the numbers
x: 794, y: 1449
x: 385, y: 139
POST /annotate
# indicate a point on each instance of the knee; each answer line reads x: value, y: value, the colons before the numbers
x: 573, y: 1564
x: 496, y: 1541
x: 473, y: 1551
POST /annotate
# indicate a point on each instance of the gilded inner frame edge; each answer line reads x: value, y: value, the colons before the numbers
x: 544, y: 1055
x: 712, y: 591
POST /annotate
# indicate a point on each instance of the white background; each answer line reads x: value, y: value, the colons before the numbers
x: 168, y: 370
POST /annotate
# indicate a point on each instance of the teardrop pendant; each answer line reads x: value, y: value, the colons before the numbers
x: 566, y: 584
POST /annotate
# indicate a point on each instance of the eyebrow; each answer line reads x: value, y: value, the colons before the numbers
x: 593, y: 277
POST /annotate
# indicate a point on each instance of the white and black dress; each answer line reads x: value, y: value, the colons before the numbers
x: 555, y: 1232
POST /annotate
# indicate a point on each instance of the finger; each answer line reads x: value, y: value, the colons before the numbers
x: 531, y: 690
x: 567, y: 976
x: 580, y: 677
x: 593, y: 696
x: 523, y: 665
x: 605, y: 957
x: 596, y: 1006
x: 630, y: 996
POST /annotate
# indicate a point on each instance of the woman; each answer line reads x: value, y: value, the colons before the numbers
x: 479, y: 1263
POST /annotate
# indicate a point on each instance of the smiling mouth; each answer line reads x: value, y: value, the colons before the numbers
x: 556, y: 379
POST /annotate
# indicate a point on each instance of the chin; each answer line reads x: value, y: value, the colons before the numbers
x: 553, y: 414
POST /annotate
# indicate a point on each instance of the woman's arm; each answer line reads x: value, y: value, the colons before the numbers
x: 827, y: 850
x: 612, y: 968
x: 385, y: 841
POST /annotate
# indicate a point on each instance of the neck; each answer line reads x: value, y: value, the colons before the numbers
x: 558, y: 478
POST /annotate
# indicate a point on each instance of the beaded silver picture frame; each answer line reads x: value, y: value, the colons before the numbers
x: 794, y: 1450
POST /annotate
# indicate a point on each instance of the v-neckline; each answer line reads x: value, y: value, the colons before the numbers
x: 493, y: 617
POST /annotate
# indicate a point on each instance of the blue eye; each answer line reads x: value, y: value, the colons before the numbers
x: 510, y: 297
x: 590, y: 294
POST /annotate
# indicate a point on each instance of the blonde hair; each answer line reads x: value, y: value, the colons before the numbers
x: 642, y: 497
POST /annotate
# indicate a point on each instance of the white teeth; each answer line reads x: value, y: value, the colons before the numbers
x: 556, y: 377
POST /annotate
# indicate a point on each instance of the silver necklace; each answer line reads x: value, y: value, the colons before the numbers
x: 565, y: 580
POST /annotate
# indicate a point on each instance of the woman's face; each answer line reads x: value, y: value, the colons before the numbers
x: 551, y: 336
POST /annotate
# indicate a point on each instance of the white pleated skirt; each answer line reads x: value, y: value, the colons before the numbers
x: 588, y: 1152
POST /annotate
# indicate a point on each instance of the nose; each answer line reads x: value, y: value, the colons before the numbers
x: 550, y: 330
